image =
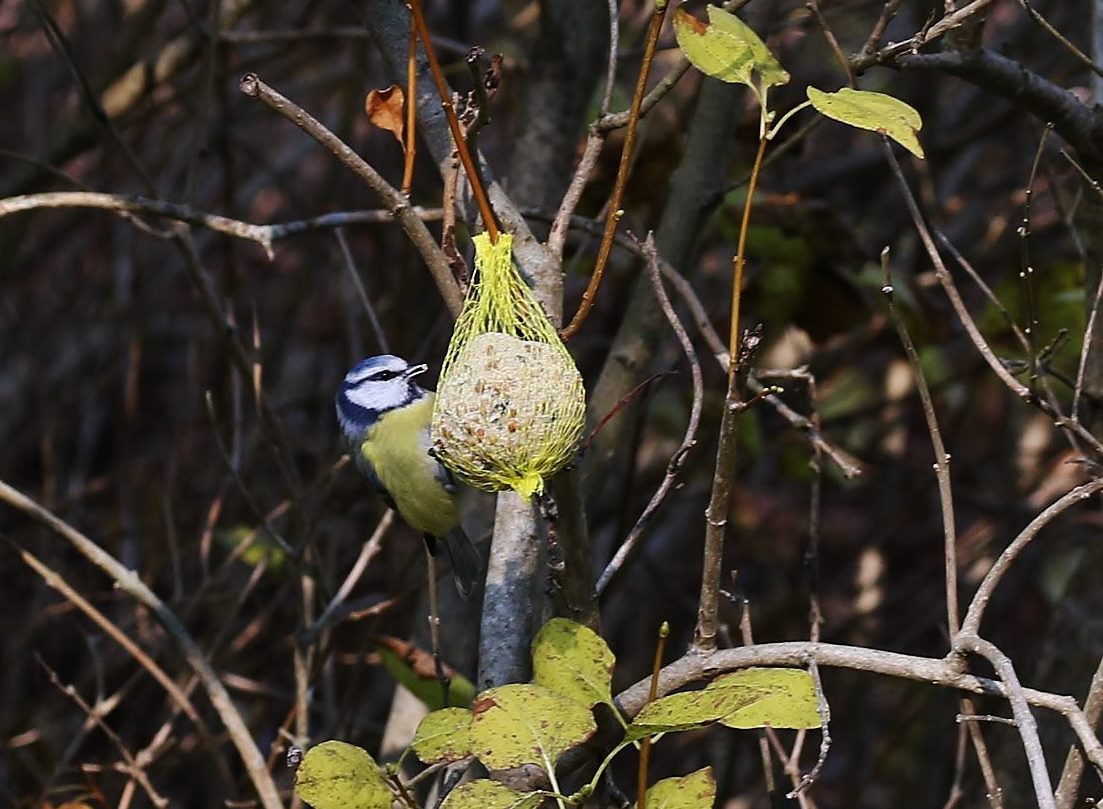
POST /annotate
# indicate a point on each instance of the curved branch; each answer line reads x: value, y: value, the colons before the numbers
x: 1072, y: 119
x: 944, y: 672
x: 984, y: 593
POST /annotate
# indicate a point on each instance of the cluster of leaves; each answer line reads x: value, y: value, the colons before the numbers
x: 535, y: 723
x: 728, y: 49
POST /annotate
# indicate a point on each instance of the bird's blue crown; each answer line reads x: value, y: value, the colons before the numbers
x: 373, y: 387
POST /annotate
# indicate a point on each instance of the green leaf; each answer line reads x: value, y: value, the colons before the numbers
x: 876, y: 112
x: 526, y: 724
x: 751, y: 698
x: 415, y: 669
x: 684, y: 711
x: 486, y: 794
x: 694, y: 791
x: 727, y: 49
x: 337, y: 775
x: 779, y: 698
x: 443, y: 735
x: 255, y: 546
x: 573, y: 660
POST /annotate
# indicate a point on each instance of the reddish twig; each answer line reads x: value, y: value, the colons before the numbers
x: 469, y: 167
x: 652, y: 695
x: 410, y: 139
x: 615, y: 213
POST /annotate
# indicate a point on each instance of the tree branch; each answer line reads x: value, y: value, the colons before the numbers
x: 1072, y: 119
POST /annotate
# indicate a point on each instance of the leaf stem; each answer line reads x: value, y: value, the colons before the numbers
x: 772, y: 133
x: 740, y: 260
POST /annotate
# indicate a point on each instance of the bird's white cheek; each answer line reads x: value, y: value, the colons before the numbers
x: 375, y: 399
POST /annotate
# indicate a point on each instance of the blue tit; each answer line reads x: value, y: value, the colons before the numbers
x: 385, y: 417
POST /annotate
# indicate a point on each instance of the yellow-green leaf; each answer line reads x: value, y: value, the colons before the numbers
x: 727, y: 49
x: 683, y: 711
x: 780, y: 698
x: 415, y: 669
x: 255, y: 546
x: 573, y: 660
x: 526, y: 724
x: 876, y: 112
x: 443, y: 735
x: 694, y: 791
x: 485, y: 794
x: 337, y: 775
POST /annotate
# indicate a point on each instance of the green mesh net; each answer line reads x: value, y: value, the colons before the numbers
x: 510, y: 405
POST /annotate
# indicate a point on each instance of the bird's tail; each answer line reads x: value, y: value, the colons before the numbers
x: 467, y: 564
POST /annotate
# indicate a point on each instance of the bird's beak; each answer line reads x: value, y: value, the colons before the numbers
x: 414, y: 370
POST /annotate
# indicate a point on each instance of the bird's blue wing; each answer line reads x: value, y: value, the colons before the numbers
x: 364, y: 465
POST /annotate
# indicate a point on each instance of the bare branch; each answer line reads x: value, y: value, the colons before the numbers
x: 264, y: 235
x: 941, y: 456
x: 396, y: 203
x: 945, y: 672
x: 1024, y: 719
x: 1072, y: 119
x: 131, y: 583
x: 689, y: 439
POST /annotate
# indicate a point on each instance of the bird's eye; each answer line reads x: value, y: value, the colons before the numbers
x: 383, y: 376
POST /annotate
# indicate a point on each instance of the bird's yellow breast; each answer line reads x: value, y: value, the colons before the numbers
x: 397, y: 447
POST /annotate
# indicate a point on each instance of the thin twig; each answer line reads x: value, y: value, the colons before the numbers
x: 873, y: 41
x: 557, y: 236
x: 689, y: 439
x: 54, y: 580
x: 611, y: 64
x: 866, y: 60
x: 970, y: 326
x: 963, y: 718
x: 1020, y: 709
x: 941, y: 456
x: 809, y: 777
x: 396, y: 203
x: 716, y: 522
x: 944, y: 672
x: 1026, y: 270
x: 410, y: 131
x: 362, y: 292
x: 991, y: 786
x: 133, y: 767
x: 368, y: 552
x: 469, y: 167
x: 614, y: 214
x: 740, y: 260
x: 1068, y: 787
x: 832, y: 43
x: 131, y: 583
x: 716, y: 515
x: 1000, y: 567
x: 645, y: 742
x: 1081, y: 57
